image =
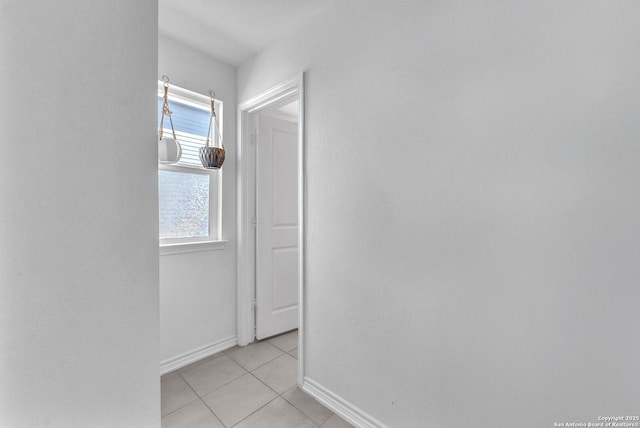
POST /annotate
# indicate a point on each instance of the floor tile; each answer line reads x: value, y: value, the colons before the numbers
x: 253, y: 356
x: 307, y: 405
x: 294, y: 353
x: 194, y: 415
x: 336, y: 422
x: 175, y: 393
x: 238, y: 399
x: 279, y: 374
x: 286, y: 342
x: 277, y: 414
x: 207, y: 377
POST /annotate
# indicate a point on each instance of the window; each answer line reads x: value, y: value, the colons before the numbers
x: 184, y: 199
x: 188, y: 194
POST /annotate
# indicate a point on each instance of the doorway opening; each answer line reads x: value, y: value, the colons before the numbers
x: 271, y: 215
x: 276, y: 218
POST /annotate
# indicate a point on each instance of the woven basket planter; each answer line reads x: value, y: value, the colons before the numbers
x: 212, y: 157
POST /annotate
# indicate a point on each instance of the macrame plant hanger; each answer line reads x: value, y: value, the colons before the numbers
x: 169, y: 150
x: 212, y: 157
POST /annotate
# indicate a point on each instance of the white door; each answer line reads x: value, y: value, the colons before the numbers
x: 277, y: 226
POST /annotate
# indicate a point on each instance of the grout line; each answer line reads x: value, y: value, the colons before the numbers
x: 189, y: 385
x: 305, y: 413
x: 185, y: 405
x: 261, y: 407
x: 295, y: 384
x: 296, y: 407
x: 211, y: 410
x: 282, y: 349
x: 226, y: 383
x: 180, y: 408
x: 214, y: 413
x: 260, y: 380
x: 278, y: 395
x: 179, y: 372
x: 270, y: 361
x: 273, y: 359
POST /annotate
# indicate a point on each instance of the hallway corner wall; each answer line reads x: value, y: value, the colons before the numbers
x: 472, y: 208
x: 198, y: 290
x: 78, y: 214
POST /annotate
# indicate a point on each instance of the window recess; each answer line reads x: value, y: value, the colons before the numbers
x: 189, y: 196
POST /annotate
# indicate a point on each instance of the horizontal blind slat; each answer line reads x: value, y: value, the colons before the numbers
x: 191, y: 124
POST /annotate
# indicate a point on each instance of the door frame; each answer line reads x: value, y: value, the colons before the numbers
x: 246, y: 173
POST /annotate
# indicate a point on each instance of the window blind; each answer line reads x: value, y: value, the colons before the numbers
x: 191, y: 125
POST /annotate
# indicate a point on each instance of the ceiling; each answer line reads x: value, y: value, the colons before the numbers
x: 233, y: 31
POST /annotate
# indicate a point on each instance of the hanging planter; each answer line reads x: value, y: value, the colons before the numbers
x: 212, y: 157
x: 169, y: 150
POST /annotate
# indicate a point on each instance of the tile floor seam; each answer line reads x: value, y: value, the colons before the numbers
x: 286, y: 401
x: 185, y: 405
x: 271, y: 389
x: 211, y: 410
x: 250, y: 371
x: 283, y: 350
x: 225, y: 353
x: 190, y: 402
x: 260, y: 380
x: 302, y: 411
x: 209, y: 392
x: 257, y: 410
x: 189, y: 385
x: 267, y: 386
x: 198, y: 398
x: 181, y: 407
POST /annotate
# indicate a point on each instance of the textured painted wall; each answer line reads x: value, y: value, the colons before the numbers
x: 198, y: 290
x: 78, y: 214
x: 473, y: 211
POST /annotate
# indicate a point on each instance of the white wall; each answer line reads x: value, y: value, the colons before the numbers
x: 473, y: 211
x: 198, y: 290
x: 78, y: 214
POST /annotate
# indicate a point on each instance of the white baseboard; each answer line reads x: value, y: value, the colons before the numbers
x: 187, y: 358
x: 340, y: 406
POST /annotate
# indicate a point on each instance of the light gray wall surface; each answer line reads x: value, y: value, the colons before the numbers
x: 198, y: 290
x: 473, y: 229
x: 78, y: 214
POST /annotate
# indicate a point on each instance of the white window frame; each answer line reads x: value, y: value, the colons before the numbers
x: 214, y: 240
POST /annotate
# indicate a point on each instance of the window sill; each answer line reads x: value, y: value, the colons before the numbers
x: 192, y: 247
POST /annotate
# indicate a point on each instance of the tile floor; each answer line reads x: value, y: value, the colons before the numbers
x: 244, y: 387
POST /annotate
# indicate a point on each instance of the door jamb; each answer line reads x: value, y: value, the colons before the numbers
x: 246, y: 205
